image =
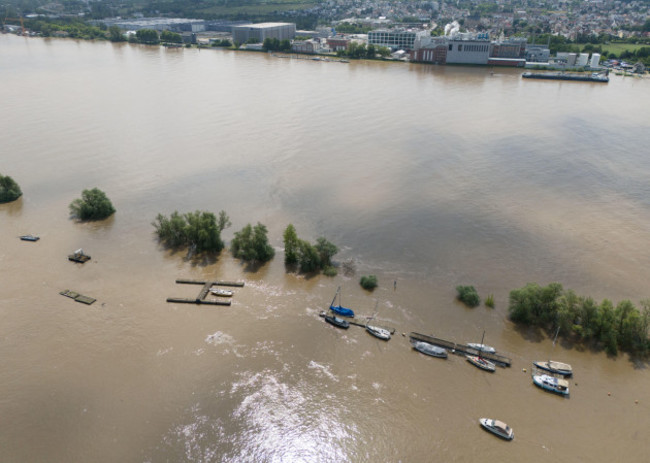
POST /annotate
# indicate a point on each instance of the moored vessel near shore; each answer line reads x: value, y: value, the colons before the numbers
x: 584, y: 77
x: 337, y: 321
x: 497, y: 427
x: 339, y: 309
x: 552, y: 384
x: 430, y: 349
x: 552, y: 366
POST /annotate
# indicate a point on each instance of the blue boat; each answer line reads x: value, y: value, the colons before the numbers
x: 339, y: 309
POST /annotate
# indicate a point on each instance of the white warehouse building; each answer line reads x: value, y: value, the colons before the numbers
x: 262, y: 31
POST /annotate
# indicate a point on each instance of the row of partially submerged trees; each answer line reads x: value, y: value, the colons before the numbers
x: 550, y: 307
x: 201, y: 232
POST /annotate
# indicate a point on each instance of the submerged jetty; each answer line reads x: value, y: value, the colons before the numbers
x: 461, y: 349
x: 586, y: 77
x: 205, y: 290
x: 77, y: 297
x: 352, y: 321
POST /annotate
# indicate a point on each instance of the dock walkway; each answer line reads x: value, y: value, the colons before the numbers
x: 461, y: 349
x: 201, y: 297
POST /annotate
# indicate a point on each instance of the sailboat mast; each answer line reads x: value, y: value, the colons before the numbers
x: 335, y: 294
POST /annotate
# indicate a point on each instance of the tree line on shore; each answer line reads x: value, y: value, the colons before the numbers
x: 552, y: 308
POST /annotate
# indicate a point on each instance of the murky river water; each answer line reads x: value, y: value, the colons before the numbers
x: 428, y: 176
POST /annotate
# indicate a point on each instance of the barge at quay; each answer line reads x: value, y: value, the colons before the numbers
x: 591, y: 77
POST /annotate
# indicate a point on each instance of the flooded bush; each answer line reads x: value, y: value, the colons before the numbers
x: 368, y: 282
x: 93, y: 205
x: 9, y: 189
x: 468, y: 295
x: 251, y: 244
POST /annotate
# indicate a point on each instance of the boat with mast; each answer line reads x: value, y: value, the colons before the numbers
x: 553, y: 366
x: 339, y: 309
x: 479, y: 361
x: 377, y: 331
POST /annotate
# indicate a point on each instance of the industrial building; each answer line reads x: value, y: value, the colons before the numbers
x: 467, y: 48
x: 395, y: 39
x: 262, y: 31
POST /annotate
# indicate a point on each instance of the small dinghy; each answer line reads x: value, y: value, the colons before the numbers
x: 221, y: 292
x: 30, y: 238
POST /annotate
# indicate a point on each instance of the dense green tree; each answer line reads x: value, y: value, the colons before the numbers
x: 623, y: 327
x: 368, y: 282
x: 326, y: 251
x: 171, y: 37
x: 468, y: 295
x: 291, y: 245
x: 251, y: 244
x: 308, y: 257
x: 148, y: 36
x: 202, y: 232
x: 9, y: 189
x: 199, y: 230
x: 93, y: 205
x: 115, y: 34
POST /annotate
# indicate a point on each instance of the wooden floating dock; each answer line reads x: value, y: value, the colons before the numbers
x: 461, y: 349
x: 197, y: 301
x: 201, y: 297
x: 77, y: 297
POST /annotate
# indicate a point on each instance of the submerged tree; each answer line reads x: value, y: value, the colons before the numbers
x: 251, y: 244
x: 468, y: 295
x: 368, y: 282
x: 553, y: 308
x: 291, y: 245
x: 9, y: 189
x: 199, y: 229
x: 93, y: 205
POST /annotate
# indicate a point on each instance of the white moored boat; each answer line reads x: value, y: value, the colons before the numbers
x: 378, y: 332
x: 552, y: 384
x: 221, y: 292
x: 497, y: 427
x: 481, y: 363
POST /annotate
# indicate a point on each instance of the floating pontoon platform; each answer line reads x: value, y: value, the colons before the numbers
x: 77, y: 297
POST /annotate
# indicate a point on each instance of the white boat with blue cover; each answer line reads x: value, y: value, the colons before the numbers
x: 552, y: 384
